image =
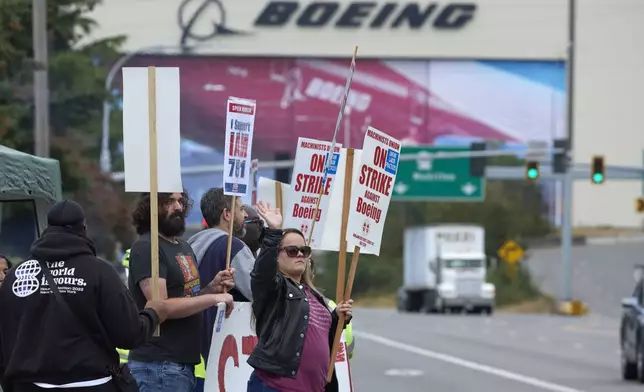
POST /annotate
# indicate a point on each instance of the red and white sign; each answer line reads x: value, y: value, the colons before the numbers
x: 371, y: 193
x: 233, y: 341
x: 240, y: 124
x: 307, y: 181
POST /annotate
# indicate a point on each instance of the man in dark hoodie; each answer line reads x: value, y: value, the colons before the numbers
x: 77, y: 348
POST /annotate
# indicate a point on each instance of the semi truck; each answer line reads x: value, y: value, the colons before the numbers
x: 445, y: 270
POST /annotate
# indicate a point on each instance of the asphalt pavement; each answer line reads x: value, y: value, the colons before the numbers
x: 602, y: 274
x: 503, y: 352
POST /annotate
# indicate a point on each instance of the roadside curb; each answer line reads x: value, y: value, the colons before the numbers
x: 630, y: 239
x: 572, y: 308
x: 553, y: 242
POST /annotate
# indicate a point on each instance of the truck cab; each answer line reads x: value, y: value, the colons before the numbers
x: 445, y: 270
x: 462, y: 284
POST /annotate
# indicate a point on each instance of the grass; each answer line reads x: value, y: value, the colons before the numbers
x: 376, y: 301
x: 541, y: 305
x: 604, y: 231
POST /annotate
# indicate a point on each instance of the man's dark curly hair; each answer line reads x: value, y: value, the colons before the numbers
x: 213, y: 204
x: 141, y: 213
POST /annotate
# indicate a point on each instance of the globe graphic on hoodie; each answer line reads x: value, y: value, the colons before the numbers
x: 26, y: 282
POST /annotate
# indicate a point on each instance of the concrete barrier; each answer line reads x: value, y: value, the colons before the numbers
x: 572, y: 308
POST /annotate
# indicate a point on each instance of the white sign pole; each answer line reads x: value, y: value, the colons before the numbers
x: 370, y: 197
x: 155, y: 92
x: 343, y: 104
x: 254, y: 177
x: 154, y: 186
x: 240, y: 124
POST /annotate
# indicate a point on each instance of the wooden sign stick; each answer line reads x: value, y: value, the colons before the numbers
x: 230, y: 231
x: 154, y: 186
x: 327, y: 164
x: 341, y: 318
x: 278, y: 197
x: 346, y: 201
x: 342, y: 258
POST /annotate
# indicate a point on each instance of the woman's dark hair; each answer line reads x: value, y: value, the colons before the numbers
x: 292, y: 231
x: 141, y: 213
x: 9, y: 264
x: 306, y: 276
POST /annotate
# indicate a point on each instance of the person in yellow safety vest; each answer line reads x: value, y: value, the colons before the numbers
x: 200, y: 370
x: 348, y: 334
x: 348, y: 331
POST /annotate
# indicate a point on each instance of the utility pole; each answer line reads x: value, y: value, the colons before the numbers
x: 566, y: 225
x: 41, y: 78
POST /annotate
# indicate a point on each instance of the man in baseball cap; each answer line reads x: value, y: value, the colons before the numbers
x: 254, y: 229
x: 63, y: 283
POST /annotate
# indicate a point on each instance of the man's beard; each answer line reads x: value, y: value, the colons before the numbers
x: 240, y: 232
x: 173, y: 225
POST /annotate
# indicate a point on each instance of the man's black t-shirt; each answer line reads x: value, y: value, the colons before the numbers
x: 180, y: 339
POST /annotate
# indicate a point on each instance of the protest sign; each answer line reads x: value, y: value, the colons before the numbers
x: 273, y: 192
x: 151, y: 130
x: 372, y: 189
x: 311, y: 188
x: 137, y: 103
x: 233, y: 340
x: 240, y: 124
x: 332, y: 226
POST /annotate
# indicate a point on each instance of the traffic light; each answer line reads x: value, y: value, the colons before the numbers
x: 639, y: 205
x: 477, y: 164
x: 560, y: 158
x: 598, y: 173
x: 532, y: 170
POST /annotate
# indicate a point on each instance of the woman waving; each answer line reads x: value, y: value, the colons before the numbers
x: 295, y: 328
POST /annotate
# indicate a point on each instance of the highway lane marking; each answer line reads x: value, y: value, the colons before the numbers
x: 535, y: 382
x: 600, y: 332
x: 404, y: 372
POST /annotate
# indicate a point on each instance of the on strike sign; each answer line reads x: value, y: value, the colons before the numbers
x: 240, y: 123
x: 307, y: 182
x: 233, y: 341
x: 371, y: 192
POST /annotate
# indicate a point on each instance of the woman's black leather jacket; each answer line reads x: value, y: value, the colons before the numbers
x: 281, y: 310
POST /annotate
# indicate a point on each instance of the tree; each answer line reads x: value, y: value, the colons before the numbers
x: 77, y: 73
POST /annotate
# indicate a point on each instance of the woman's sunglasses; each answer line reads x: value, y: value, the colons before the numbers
x: 294, y: 251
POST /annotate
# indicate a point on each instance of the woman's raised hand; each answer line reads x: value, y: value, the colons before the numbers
x: 273, y: 217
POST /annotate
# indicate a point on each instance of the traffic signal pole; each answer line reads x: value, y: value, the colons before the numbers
x: 567, y: 185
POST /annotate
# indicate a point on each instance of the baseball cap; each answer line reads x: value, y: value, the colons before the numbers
x: 66, y: 213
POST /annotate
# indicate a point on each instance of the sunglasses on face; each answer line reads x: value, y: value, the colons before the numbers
x: 255, y: 220
x: 294, y: 251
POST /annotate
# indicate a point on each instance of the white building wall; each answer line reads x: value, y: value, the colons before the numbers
x: 609, y: 69
x: 609, y: 108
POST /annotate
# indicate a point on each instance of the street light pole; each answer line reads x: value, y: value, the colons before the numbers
x: 106, y: 156
x: 41, y: 78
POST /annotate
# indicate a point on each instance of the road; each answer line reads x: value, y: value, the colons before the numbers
x: 602, y: 274
x: 519, y: 353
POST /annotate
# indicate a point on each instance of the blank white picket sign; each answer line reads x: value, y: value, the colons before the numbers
x: 136, y: 129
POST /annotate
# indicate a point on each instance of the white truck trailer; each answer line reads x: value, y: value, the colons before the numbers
x: 445, y: 270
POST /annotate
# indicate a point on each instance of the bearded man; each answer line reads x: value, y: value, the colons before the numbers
x: 167, y: 362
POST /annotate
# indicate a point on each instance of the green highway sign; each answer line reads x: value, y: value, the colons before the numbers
x: 444, y: 179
